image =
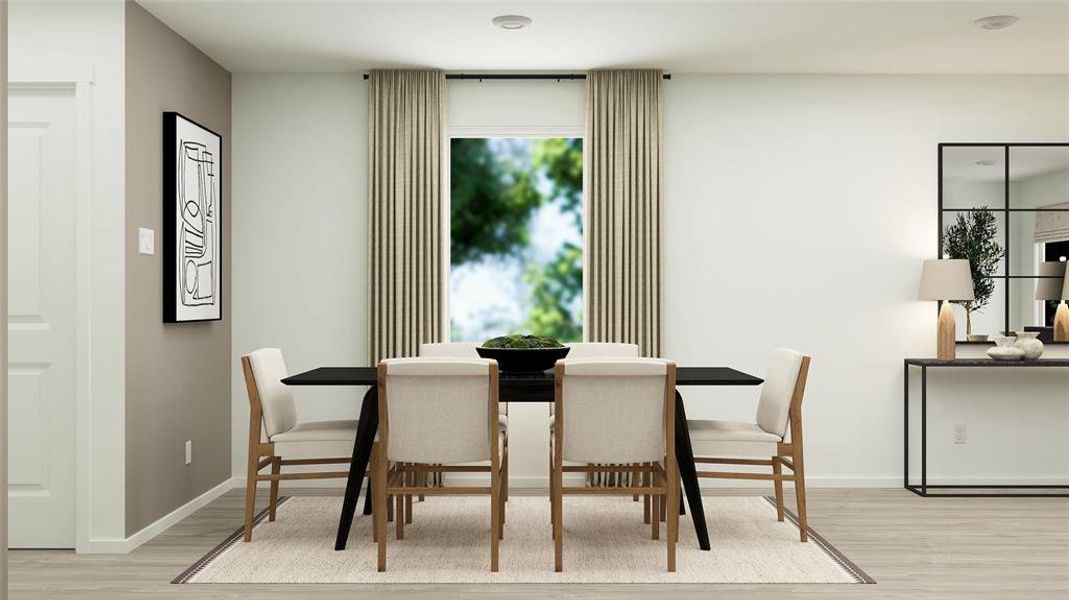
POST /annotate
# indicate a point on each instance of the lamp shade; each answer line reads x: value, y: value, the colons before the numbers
x: 1048, y: 288
x: 948, y: 279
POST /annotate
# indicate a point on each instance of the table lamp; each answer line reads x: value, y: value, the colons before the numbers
x: 1050, y: 287
x: 1061, y: 316
x: 945, y: 280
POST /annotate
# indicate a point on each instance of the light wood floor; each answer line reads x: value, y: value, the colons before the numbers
x: 942, y: 548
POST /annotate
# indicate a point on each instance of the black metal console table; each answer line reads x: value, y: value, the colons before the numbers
x: 958, y: 489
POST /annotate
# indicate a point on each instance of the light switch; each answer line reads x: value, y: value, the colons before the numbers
x: 146, y: 241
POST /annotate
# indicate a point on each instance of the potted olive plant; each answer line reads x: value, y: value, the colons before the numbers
x: 972, y: 236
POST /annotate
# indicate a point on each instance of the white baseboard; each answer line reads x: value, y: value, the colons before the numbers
x: 124, y: 546
x: 542, y: 483
x: 889, y: 482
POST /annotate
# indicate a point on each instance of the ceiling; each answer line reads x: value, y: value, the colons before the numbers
x: 847, y: 36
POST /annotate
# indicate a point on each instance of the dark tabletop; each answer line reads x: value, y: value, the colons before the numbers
x: 986, y: 362
x: 367, y: 376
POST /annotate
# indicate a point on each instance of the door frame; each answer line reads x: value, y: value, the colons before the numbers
x: 30, y: 77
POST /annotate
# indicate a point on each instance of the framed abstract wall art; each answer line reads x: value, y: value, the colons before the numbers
x: 192, y: 221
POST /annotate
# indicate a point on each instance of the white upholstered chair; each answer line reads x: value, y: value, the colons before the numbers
x: 449, y: 350
x: 616, y: 412
x: 580, y: 350
x: 277, y: 439
x: 459, y: 350
x: 601, y: 350
x: 440, y: 412
x: 779, y: 412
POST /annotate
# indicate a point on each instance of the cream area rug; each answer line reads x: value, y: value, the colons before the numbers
x: 605, y: 541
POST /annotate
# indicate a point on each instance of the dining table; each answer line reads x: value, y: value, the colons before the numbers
x: 513, y: 387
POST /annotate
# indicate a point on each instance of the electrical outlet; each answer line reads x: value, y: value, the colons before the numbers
x: 959, y: 433
x: 189, y: 452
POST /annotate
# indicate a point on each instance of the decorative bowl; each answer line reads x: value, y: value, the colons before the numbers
x: 525, y: 360
x: 976, y: 337
x: 1005, y: 349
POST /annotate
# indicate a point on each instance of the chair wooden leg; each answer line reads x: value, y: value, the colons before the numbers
x: 504, y: 492
x: 495, y: 518
x: 658, y: 500
x: 399, y: 512
x: 799, y: 492
x: 276, y: 468
x: 777, y: 469
x: 663, y: 504
x: 505, y: 470
x: 633, y: 483
x: 379, y: 505
x: 250, y: 495
x: 410, y: 479
x: 672, y: 501
x: 557, y: 498
x: 646, y: 497
x: 552, y: 483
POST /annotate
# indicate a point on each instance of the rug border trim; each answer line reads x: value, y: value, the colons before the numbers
x: 859, y: 574
x: 212, y: 554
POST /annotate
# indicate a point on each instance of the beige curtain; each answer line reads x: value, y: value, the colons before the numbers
x: 406, y: 133
x: 623, y: 275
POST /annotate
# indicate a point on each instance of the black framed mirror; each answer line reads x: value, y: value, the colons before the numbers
x: 1005, y: 207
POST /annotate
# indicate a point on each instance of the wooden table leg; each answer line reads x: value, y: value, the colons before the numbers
x: 689, y: 475
x: 365, y: 437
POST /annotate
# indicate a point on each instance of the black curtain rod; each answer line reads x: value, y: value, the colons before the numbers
x: 551, y: 76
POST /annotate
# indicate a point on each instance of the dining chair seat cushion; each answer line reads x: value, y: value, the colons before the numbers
x: 316, y: 439
x: 319, y: 431
x: 729, y: 431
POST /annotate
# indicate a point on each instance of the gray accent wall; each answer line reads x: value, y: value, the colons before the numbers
x: 177, y: 375
x: 3, y: 301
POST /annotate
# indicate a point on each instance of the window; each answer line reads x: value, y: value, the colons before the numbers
x: 516, y: 237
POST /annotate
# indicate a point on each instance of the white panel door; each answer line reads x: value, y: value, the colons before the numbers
x: 41, y: 312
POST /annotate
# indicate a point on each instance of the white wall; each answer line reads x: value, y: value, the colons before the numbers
x: 299, y: 231
x: 798, y: 211
x: 58, y: 42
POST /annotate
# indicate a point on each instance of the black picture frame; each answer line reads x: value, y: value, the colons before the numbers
x: 202, y: 148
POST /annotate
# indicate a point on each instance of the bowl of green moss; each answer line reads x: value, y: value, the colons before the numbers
x: 523, y: 353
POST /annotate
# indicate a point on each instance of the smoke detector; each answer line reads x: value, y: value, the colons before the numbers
x: 511, y: 22
x: 995, y: 22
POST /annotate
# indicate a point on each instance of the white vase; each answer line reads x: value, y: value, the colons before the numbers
x: 1030, y: 343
